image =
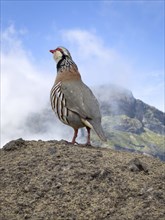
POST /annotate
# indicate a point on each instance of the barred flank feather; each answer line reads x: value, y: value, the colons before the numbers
x: 58, y: 103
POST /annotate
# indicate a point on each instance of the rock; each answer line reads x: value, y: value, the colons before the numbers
x: 132, y: 125
x: 135, y: 165
x: 151, y: 117
x: 14, y: 145
x: 102, y: 174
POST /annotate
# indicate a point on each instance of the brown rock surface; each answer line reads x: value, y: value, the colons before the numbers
x: 54, y: 180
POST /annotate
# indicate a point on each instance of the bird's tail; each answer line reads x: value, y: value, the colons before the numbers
x: 99, y: 130
x: 97, y: 127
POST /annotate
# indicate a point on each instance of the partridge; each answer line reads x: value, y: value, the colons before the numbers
x: 72, y: 101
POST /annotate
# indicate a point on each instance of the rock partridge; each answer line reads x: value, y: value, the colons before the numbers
x: 72, y: 101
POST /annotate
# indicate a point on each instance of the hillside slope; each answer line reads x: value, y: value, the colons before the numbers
x: 131, y: 124
x: 54, y: 180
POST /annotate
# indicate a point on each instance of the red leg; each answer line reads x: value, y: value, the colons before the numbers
x: 75, y: 135
x: 89, y: 136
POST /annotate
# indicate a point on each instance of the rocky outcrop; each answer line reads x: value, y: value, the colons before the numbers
x: 152, y: 118
x: 127, y: 124
x: 120, y: 101
x: 47, y: 180
x: 115, y: 100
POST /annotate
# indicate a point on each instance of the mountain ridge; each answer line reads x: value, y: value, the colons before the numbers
x: 115, y: 100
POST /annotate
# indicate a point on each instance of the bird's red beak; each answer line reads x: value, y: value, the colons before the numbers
x: 52, y: 51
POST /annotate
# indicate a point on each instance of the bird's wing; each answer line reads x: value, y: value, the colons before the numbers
x: 80, y: 99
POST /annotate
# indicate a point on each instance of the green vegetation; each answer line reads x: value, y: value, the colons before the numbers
x: 128, y: 133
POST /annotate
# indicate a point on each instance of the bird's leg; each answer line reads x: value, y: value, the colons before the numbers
x: 88, y: 137
x: 75, y: 135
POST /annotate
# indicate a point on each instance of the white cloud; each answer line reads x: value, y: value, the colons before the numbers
x: 25, y: 87
x: 100, y: 64
x: 97, y: 63
x: 150, y: 88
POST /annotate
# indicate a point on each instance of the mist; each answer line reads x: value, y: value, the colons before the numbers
x: 24, y: 89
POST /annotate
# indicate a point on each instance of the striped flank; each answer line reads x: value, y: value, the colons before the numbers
x: 58, y: 103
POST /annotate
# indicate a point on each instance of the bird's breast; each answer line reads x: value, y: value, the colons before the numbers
x: 70, y: 75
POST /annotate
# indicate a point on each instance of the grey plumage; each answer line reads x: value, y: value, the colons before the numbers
x: 73, y: 102
x: 81, y: 100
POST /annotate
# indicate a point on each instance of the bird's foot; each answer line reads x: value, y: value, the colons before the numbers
x: 71, y: 142
x: 88, y: 144
x: 68, y: 142
x: 75, y: 143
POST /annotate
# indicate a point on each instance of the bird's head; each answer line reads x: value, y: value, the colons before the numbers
x: 59, y: 53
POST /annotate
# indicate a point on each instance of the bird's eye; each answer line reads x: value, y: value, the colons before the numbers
x: 59, y: 49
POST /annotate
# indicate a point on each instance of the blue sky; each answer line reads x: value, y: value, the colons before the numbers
x: 120, y: 42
